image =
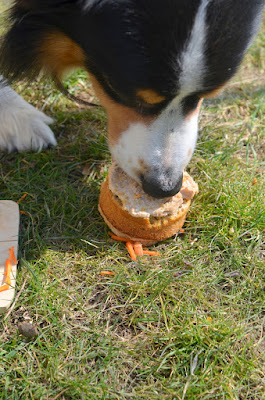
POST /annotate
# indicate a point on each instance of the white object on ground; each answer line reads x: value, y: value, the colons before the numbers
x: 9, y: 225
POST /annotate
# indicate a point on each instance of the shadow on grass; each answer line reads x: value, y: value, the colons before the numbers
x: 62, y: 186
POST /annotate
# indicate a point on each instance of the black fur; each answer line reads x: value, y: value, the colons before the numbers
x: 132, y: 44
x: 231, y: 24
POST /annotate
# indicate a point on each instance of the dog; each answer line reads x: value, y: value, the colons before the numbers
x: 151, y: 63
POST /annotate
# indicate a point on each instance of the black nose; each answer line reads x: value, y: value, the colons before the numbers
x: 162, y: 185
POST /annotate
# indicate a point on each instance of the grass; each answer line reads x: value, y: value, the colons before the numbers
x: 186, y: 325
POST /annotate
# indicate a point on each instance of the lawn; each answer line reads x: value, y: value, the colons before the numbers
x: 186, y: 325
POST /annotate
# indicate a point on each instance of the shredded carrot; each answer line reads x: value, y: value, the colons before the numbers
x: 119, y: 238
x: 12, y: 256
x: 7, y: 272
x: 135, y: 249
x: 22, y: 198
x: 138, y: 249
x: 151, y: 253
x: 22, y: 212
x: 8, y: 269
x: 131, y: 251
x: 106, y: 273
x: 4, y: 287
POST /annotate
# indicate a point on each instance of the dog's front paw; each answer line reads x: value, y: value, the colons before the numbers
x: 22, y: 127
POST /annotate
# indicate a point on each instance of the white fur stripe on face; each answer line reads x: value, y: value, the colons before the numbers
x: 192, y: 57
x: 168, y: 142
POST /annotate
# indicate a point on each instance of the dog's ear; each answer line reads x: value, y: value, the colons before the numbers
x: 57, y: 53
x: 33, y: 45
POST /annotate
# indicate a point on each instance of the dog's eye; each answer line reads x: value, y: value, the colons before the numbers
x: 190, y: 103
x: 149, y: 109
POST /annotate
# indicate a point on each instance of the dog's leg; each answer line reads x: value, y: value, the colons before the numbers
x: 22, y: 127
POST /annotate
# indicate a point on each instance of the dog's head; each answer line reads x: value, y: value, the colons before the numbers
x: 151, y: 64
x: 151, y: 85
x: 154, y: 62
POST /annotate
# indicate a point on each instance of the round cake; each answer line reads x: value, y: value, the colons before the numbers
x: 131, y: 213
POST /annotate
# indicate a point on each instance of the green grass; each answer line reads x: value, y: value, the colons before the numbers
x: 186, y: 325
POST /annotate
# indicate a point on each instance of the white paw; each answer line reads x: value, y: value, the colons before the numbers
x: 22, y: 127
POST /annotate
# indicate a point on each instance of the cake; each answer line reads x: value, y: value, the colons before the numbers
x: 132, y: 214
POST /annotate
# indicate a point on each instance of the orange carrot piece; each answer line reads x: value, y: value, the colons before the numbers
x: 138, y: 249
x: 22, y: 198
x: 4, y: 287
x: 7, y: 272
x: 135, y: 249
x: 8, y: 269
x: 12, y: 256
x: 151, y: 253
x: 119, y: 238
x: 131, y: 251
x: 106, y: 273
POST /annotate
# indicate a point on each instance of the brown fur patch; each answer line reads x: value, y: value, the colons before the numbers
x: 213, y: 93
x: 119, y: 117
x: 150, y: 96
x: 194, y: 112
x: 59, y: 53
